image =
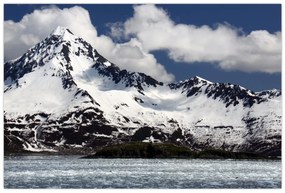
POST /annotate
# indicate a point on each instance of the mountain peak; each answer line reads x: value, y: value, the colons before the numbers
x: 199, y: 79
x: 63, y: 94
x: 61, y: 31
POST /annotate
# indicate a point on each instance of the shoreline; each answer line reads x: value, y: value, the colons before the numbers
x: 80, y: 156
x: 139, y: 150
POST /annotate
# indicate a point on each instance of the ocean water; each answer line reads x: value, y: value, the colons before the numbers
x: 72, y: 172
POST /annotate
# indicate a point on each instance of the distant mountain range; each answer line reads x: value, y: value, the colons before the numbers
x: 63, y: 95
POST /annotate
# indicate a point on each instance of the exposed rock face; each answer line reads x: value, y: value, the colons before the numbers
x: 62, y: 94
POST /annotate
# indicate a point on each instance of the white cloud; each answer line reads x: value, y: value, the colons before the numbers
x: 20, y: 36
x: 151, y: 29
x: 117, y: 30
x: 133, y: 57
x: 222, y: 45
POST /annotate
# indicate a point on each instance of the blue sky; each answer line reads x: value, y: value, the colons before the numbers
x: 242, y: 19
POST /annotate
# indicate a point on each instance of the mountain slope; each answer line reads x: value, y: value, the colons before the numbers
x: 62, y: 93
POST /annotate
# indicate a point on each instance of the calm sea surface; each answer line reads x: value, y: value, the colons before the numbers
x: 72, y: 172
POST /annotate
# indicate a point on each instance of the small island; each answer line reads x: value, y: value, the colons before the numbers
x: 166, y: 150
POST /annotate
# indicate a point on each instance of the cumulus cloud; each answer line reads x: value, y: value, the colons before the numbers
x: 133, y: 57
x: 151, y: 29
x: 223, y: 45
x: 20, y: 36
x: 117, y: 30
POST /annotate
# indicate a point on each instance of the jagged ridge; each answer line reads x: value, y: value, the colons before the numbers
x: 99, y: 103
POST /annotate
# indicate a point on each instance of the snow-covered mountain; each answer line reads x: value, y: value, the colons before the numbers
x: 62, y: 94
